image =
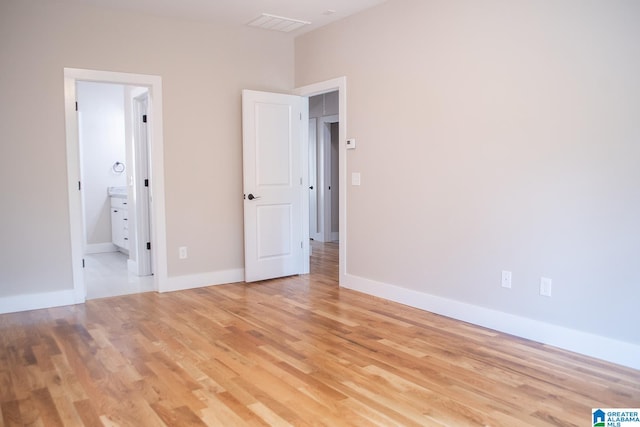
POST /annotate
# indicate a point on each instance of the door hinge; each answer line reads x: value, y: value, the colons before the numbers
x: 144, y: 118
x: 300, y: 116
x: 148, y: 246
x: 79, y: 186
x: 300, y: 245
x: 146, y: 182
x: 82, y: 262
x: 76, y: 105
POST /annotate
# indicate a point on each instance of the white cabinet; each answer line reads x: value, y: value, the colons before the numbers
x: 119, y: 222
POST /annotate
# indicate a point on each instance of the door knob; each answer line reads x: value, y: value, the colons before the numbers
x: 311, y: 188
x: 251, y: 197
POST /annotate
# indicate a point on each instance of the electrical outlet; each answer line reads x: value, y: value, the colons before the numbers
x: 182, y: 252
x: 545, y: 286
x: 506, y: 279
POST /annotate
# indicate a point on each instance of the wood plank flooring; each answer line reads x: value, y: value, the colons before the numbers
x: 292, y: 351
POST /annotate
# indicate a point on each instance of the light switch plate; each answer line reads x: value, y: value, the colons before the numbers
x: 355, y: 178
x: 545, y: 286
x: 506, y: 279
x: 351, y: 143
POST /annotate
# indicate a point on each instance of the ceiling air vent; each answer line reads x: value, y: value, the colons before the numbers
x: 277, y: 23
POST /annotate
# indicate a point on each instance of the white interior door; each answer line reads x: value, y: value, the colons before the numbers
x: 274, y: 128
x: 314, y: 219
x: 143, y: 246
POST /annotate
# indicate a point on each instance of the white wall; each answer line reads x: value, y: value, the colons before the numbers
x: 203, y: 69
x: 102, y: 143
x: 494, y: 135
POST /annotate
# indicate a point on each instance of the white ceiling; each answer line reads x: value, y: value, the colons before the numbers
x: 240, y: 12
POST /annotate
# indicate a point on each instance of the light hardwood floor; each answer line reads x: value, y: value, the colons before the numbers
x: 293, y: 351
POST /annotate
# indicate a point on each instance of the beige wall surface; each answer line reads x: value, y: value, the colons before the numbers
x: 494, y: 135
x: 203, y: 70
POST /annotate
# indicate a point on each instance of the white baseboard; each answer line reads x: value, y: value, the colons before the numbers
x: 604, y: 348
x: 26, y: 302
x: 132, y: 266
x: 201, y: 280
x: 99, y: 248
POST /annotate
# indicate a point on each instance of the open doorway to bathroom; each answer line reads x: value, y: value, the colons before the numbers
x: 113, y: 149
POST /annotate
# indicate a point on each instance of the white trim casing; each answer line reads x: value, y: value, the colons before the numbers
x: 604, y: 348
x: 158, y: 220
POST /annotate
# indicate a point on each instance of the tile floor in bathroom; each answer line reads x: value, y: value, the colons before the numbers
x: 106, y: 275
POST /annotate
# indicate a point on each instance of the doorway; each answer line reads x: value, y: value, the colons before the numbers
x: 338, y: 88
x: 112, y: 121
x: 117, y: 230
x: 324, y: 156
x: 281, y: 128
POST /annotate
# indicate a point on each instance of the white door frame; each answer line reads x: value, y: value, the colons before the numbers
x: 339, y: 84
x: 157, y: 211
